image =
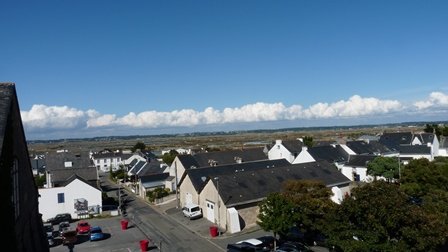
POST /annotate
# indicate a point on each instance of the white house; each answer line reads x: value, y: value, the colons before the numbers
x: 107, y: 159
x: 76, y: 196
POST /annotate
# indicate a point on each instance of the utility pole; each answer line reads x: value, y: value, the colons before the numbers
x: 177, y: 193
x: 219, y: 206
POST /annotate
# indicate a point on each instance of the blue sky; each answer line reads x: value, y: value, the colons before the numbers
x: 101, y: 68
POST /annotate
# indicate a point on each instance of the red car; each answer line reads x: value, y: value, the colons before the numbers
x: 83, y: 227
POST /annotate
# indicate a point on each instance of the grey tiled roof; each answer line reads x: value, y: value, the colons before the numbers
x: 331, y: 154
x: 60, y: 176
x: 364, y: 148
x: 222, y: 157
x: 293, y: 146
x: 199, y: 175
x: 7, y: 93
x: 253, y: 185
x: 56, y: 161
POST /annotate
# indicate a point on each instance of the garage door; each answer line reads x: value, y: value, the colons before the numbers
x: 211, y: 211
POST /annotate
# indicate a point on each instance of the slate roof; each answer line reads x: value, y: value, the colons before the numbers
x: 75, y: 176
x: 107, y: 155
x: 222, y: 157
x: 364, y: 148
x: 137, y: 167
x: 56, y: 161
x: 415, y: 149
x: 152, y: 168
x: 252, y: 186
x: 199, y: 175
x: 324, y: 143
x: 293, y: 146
x: 331, y: 154
x: 60, y: 176
x: 400, y: 138
x: 359, y: 160
x: 7, y: 93
x: 153, y: 180
x: 146, y: 154
x: 425, y: 137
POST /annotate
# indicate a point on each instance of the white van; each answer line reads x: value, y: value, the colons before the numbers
x: 192, y: 211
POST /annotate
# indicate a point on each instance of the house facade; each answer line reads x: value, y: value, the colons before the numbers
x: 107, y: 159
x: 76, y: 196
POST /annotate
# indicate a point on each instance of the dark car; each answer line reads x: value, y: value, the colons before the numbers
x: 60, y: 218
x: 245, y: 247
x: 267, y: 241
x: 65, y: 225
x: 291, y: 246
x: 295, y: 234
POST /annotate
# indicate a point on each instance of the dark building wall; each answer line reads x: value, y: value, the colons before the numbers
x: 19, y: 197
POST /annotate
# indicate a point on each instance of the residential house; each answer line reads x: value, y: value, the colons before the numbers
x: 287, y: 149
x: 149, y: 182
x: 75, y: 195
x: 229, y: 194
x: 205, y: 159
x: 21, y: 222
x: 106, y: 159
x: 71, y: 178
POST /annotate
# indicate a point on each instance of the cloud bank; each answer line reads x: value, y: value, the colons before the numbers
x: 52, y: 122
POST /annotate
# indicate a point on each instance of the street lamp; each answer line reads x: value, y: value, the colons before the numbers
x: 219, y: 206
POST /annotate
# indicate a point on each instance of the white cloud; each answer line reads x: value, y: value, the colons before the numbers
x: 46, y: 118
x: 436, y: 99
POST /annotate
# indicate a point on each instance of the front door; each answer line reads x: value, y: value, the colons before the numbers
x: 210, y: 211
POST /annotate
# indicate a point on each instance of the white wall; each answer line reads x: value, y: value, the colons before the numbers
x: 278, y: 151
x: 48, y: 202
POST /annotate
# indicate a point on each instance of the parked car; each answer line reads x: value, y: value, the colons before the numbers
x: 83, y: 227
x: 291, y: 246
x: 245, y: 248
x: 48, y: 229
x: 50, y: 241
x: 65, y: 225
x: 96, y: 233
x: 192, y: 211
x: 294, y: 234
x: 69, y: 236
x: 266, y: 242
x: 60, y: 218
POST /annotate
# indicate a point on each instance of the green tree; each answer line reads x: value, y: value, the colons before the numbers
x: 138, y: 146
x: 379, y: 217
x: 308, y: 141
x: 40, y: 180
x: 157, y: 193
x: 387, y: 167
x: 312, y: 200
x: 169, y: 157
x: 276, y: 214
x: 420, y: 176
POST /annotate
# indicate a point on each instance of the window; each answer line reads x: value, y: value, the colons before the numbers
x: 61, y: 198
x: 15, y: 189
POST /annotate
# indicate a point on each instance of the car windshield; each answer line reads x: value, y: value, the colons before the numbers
x: 63, y: 225
x: 48, y: 228
x: 194, y: 209
x: 95, y: 231
x: 83, y: 224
